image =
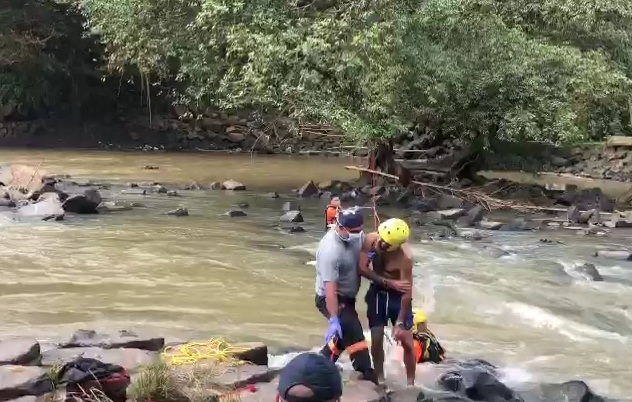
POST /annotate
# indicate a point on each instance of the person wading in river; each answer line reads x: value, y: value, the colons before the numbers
x: 387, y: 261
x: 337, y: 286
x: 427, y: 347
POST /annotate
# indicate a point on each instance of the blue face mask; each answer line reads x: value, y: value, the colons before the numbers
x: 348, y: 237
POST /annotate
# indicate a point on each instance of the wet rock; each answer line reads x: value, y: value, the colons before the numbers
x: 132, y: 185
x: 193, y: 186
x: 19, y: 381
x: 293, y: 229
x: 243, y: 205
x: 291, y: 206
x: 160, y: 189
x: 309, y: 189
x: 150, y: 167
x: 235, y: 213
x: 589, y: 271
x: 619, y: 255
x: 453, y: 213
x: 115, y: 206
x: 492, y: 251
x: 253, y: 352
x: 573, y: 214
x: 172, y: 193
x: 292, y: 216
x: 215, y: 186
x: 86, y: 203
x: 273, y: 195
x: 124, y: 339
x: 473, y: 216
x: 7, y: 203
x: 617, y: 221
x: 238, y: 377
x: 427, y: 218
x: 19, y: 351
x: 178, y: 212
x: 135, y: 191
x: 233, y: 185
x: 358, y: 390
x: 571, y: 391
x: 423, y: 205
x: 446, y: 201
x: 131, y: 359
x: 519, y: 224
x: 48, y: 207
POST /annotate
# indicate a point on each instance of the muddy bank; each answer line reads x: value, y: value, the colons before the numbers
x: 143, y: 368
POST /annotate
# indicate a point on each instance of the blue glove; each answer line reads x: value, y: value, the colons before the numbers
x: 372, y: 255
x: 333, y: 329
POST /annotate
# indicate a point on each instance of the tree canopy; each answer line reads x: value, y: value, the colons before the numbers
x: 552, y: 70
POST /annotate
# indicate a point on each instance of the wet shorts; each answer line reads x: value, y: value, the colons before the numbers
x: 384, y: 305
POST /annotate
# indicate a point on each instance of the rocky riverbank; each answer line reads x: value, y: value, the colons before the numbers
x: 189, y: 129
x: 30, y: 372
x: 31, y: 193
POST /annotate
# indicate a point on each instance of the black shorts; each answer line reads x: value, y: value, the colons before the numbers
x: 383, y: 305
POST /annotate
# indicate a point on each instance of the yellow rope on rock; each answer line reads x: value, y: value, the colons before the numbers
x: 214, y: 350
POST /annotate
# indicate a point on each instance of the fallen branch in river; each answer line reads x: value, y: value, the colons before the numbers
x: 474, y: 194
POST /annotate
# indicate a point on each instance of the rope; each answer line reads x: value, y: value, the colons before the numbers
x: 376, y: 218
x: 190, y: 353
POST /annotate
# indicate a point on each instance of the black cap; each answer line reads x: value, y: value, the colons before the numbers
x: 315, y: 372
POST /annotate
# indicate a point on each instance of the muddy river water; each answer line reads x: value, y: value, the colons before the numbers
x: 207, y: 275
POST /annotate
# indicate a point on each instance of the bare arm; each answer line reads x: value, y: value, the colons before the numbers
x: 366, y: 270
x: 331, y: 298
x: 406, y: 272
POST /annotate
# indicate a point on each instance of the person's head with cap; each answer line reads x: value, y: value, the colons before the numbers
x: 310, y: 377
x: 350, y: 223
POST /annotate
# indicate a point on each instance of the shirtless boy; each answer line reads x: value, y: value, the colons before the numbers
x: 388, y: 262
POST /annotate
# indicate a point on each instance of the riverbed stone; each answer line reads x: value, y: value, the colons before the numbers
x: 124, y: 339
x: 617, y: 221
x: 490, y: 225
x: 114, y: 206
x: 19, y: 351
x: 253, y: 352
x: 235, y: 213
x: 589, y: 271
x: 360, y: 391
x: 48, y: 206
x: 292, y: 216
x: 473, y: 216
x: 308, y: 189
x: 240, y: 376
x: 446, y: 201
x: 131, y: 359
x: 453, y: 213
x: 233, y: 185
x: 178, y: 212
x: 85, y: 203
x: 619, y: 255
x: 19, y: 381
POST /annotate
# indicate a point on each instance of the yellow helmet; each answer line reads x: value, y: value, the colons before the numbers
x: 394, y: 231
x: 418, y: 316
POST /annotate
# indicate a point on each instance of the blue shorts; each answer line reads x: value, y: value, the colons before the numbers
x: 384, y: 305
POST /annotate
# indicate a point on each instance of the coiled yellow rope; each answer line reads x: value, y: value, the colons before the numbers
x: 215, y: 350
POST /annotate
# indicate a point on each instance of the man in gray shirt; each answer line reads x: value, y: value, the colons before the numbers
x: 337, y: 286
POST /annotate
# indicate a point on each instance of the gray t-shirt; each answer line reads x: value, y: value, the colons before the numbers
x: 337, y: 261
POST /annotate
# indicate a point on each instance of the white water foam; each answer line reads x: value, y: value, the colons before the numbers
x: 540, y: 318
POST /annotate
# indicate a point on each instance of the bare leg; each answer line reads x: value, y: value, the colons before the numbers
x: 409, y: 356
x: 377, y: 351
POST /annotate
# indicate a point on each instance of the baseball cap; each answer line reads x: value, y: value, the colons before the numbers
x: 351, y: 218
x: 313, y: 372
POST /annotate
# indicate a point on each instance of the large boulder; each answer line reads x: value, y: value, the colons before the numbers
x: 131, y: 359
x: 308, y: 189
x: 292, y: 216
x: 19, y: 351
x: 85, y: 203
x: 48, y: 206
x: 570, y: 391
x: 233, y: 185
x: 124, y: 339
x: 588, y: 271
x: 19, y: 381
x: 21, y: 176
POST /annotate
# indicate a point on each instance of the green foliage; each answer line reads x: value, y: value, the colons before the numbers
x: 554, y: 70
x: 45, y: 57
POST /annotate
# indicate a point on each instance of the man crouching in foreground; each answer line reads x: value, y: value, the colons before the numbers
x: 387, y: 261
